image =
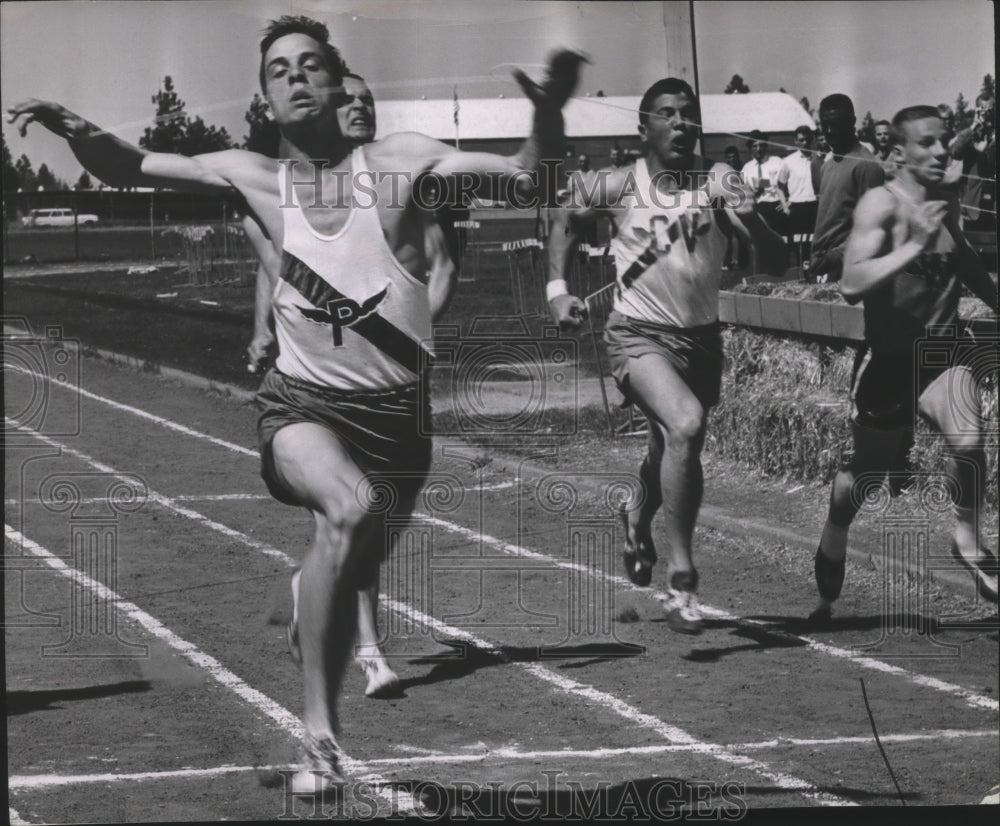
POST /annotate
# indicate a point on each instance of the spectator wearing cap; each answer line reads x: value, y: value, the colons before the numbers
x: 761, y: 174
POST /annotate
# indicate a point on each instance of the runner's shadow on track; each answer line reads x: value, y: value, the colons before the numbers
x: 641, y: 799
x: 872, y: 622
x: 465, y: 659
x: 762, y: 638
x: 26, y: 702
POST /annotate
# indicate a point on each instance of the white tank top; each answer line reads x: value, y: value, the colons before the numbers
x: 668, y: 255
x: 347, y: 315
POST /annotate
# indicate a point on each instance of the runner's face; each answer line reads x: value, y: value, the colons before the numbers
x: 882, y: 136
x: 924, y: 153
x: 672, y: 129
x: 356, y: 111
x: 297, y: 81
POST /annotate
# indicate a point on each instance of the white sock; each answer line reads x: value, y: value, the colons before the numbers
x: 295, y: 596
x: 834, y: 541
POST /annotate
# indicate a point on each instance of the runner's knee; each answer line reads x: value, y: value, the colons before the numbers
x: 685, y: 427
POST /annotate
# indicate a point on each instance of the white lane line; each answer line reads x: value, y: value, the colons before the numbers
x: 135, y: 411
x: 14, y: 818
x: 101, y: 500
x: 155, y: 497
x: 38, y: 781
x: 644, y: 751
x: 970, y: 697
x: 44, y: 781
x: 580, y: 690
x: 256, y: 699
x: 610, y: 702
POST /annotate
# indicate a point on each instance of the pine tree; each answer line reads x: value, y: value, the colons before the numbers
x: 199, y: 138
x: 10, y: 174
x: 167, y: 131
x: 987, y: 90
x: 84, y: 181
x: 26, y: 179
x: 264, y: 136
x: 173, y: 131
x: 736, y: 86
x: 866, y: 132
x: 963, y: 115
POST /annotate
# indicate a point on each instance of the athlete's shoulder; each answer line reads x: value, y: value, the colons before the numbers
x: 876, y: 206
x: 407, y: 151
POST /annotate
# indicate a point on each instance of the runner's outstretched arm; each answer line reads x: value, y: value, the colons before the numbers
x: 121, y: 164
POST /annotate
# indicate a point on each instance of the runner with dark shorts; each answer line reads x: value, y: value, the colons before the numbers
x: 906, y: 259
x: 676, y: 215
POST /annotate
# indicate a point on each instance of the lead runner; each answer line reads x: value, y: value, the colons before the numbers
x: 351, y: 314
x: 663, y: 335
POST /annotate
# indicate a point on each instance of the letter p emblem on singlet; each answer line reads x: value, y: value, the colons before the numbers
x: 342, y: 312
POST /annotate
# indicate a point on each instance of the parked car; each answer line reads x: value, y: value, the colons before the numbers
x: 60, y: 217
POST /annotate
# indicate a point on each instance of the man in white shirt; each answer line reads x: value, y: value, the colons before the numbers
x: 798, y: 197
x: 761, y: 174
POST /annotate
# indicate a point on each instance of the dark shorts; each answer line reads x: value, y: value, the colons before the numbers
x: 381, y: 429
x: 886, y: 387
x: 801, y: 218
x: 694, y: 352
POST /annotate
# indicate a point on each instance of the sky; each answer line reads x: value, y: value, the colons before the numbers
x: 106, y: 58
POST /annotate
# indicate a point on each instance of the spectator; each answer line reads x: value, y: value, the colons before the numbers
x: 845, y: 176
x: 733, y: 158
x: 798, y: 198
x: 976, y: 148
x: 581, y: 182
x: 761, y: 174
x: 617, y: 157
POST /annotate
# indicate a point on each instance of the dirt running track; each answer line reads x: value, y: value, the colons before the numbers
x: 148, y: 678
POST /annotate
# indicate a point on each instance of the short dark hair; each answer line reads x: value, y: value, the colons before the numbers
x: 881, y: 123
x: 805, y: 131
x: 299, y: 24
x: 664, y: 86
x: 837, y: 102
x: 908, y: 115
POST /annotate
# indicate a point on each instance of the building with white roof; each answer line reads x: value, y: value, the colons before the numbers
x: 593, y: 124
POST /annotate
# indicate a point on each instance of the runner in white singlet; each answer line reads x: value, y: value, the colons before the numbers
x: 327, y: 446
x: 676, y: 215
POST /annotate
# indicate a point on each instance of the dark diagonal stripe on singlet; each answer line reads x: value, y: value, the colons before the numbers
x: 386, y: 336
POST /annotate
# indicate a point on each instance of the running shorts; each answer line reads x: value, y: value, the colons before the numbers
x: 381, y: 429
x: 694, y: 352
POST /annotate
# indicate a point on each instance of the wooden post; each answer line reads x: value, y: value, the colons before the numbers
x: 681, y: 57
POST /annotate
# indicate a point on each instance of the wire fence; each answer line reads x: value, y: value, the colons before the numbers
x: 201, y: 235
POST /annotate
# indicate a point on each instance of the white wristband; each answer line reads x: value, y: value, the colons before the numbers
x: 555, y: 288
